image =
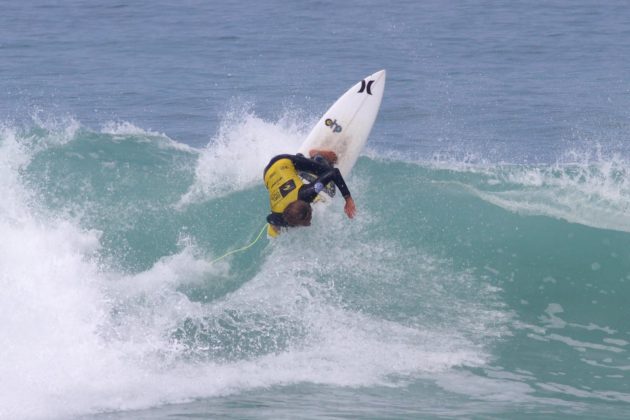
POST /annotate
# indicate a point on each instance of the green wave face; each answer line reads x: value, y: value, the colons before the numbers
x: 495, y: 277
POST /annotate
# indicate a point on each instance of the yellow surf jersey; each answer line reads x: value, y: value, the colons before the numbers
x: 283, y: 183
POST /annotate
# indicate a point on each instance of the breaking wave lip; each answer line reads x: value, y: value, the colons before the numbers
x: 235, y: 158
x: 120, y: 130
x: 589, y: 190
x: 592, y: 195
x: 571, y: 209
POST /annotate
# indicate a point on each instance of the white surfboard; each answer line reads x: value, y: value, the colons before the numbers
x: 345, y: 127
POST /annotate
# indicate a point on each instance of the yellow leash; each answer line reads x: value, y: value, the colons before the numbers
x: 243, y: 248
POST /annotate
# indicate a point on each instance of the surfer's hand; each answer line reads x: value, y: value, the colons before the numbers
x: 350, y: 208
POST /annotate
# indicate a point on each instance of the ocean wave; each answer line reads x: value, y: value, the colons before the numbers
x: 593, y: 193
x: 106, y: 272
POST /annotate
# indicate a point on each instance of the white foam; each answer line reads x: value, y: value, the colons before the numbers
x: 58, y: 131
x: 80, y: 338
x: 589, y: 189
x: 13, y: 157
x: 50, y: 304
x: 234, y: 160
x: 122, y: 130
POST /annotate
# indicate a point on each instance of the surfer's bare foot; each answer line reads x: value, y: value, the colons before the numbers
x: 329, y: 155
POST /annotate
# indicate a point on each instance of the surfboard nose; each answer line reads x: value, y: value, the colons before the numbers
x: 376, y: 83
x: 378, y: 75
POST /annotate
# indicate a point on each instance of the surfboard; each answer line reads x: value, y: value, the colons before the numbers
x: 347, y: 124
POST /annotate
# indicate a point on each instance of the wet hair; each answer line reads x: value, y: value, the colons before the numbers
x: 298, y: 213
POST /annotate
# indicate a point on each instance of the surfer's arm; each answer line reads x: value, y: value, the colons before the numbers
x: 302, y: 163
x: 308, y: 192
x: 335, y: 176
x: 350, y: 209
x: 324, y: 173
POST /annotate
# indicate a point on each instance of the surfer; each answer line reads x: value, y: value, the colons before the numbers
x: 290, y: 198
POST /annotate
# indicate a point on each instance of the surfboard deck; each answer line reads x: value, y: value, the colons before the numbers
x: 345, y: 126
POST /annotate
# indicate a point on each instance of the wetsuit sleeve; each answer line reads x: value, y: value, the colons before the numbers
x: 302, y: 163
x: 324, y: 173
x: 308, y: 192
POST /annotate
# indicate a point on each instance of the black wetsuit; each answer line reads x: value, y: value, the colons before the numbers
x: 308, y: 192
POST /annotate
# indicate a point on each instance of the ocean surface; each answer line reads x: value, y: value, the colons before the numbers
x: 487, y: 272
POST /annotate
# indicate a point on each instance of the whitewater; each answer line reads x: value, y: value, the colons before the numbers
x: 110, y: 301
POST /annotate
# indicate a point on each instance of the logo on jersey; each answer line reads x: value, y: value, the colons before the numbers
x: 336, y: 128
x: 287, y: 187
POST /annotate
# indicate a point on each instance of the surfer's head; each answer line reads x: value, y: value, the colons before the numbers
x: 298, y: 213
